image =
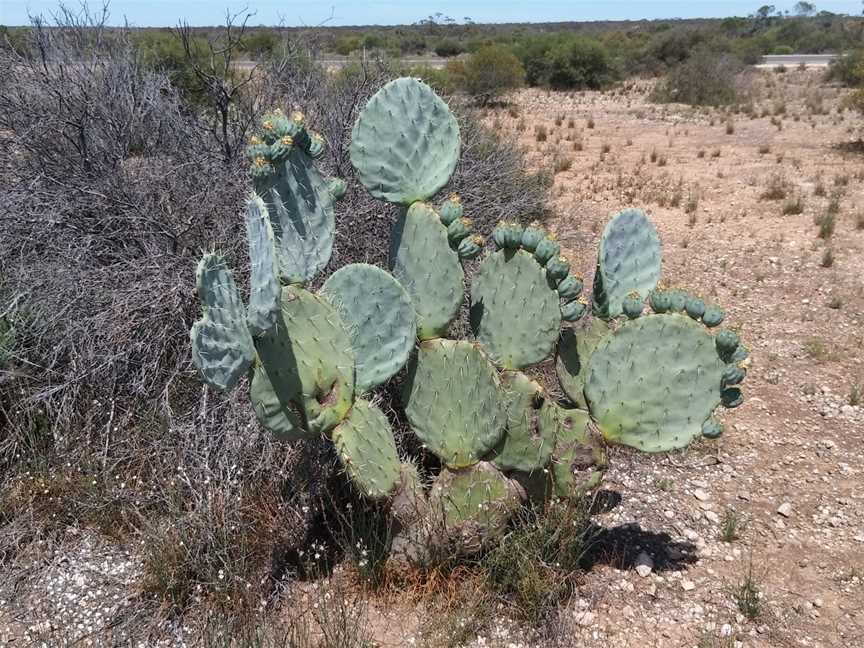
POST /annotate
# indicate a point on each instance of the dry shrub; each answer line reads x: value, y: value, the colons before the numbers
x: 705, y: 79
x: 110, y: 187
x: 778, y: 188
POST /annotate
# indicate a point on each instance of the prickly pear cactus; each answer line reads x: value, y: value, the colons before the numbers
x: 366, y: 447
x: 628, y: 261
x: 221, y: 344
x: 453, y: 401
x: 651, y: 381
x: 405, y: 144
x: 574, y: 351
x: 379, y: 317
x: 309, y: 361
x: 579, y: 455
x: 308, y: 355
x: 423, y: 260
x: 531, y: 425
x: 655, y: 381
x: 263, y: 311
x: 474, y: 505
x: 298, y: 199
x: 516, y: 308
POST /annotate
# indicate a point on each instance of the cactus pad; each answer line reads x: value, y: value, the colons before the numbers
x: 222, y: 347
x: 308, y: 359
x: 531, y: 425
x: 300, y: 204
x: 379, y: 317
x: 405, y: 144
x: 474, y: 505
x: 366, y: 447
x: 579, y: 458
x: 424, y: 263
x: 514, y: 313
x: 574, y: 352
x: 284, y: 420
x: 453, y: 401
x: 653, y: 382
x: 628, y: 260
x: 263, y: 310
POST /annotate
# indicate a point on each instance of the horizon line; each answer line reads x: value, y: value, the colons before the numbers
x: 323, y: 25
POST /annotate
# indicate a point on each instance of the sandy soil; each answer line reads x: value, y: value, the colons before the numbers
x: 797, y: 440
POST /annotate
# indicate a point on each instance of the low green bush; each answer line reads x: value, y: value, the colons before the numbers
x: 704, y: 80
x: 491, y: 71
x: 579, y: 63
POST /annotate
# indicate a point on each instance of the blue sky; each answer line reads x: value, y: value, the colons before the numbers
x: 145, y: 13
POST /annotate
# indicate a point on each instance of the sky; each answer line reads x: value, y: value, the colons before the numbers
x: 154, y: 13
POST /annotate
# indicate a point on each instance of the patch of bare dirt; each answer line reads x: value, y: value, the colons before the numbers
x: 790, y: 464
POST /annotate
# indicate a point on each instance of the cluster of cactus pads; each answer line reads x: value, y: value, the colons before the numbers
x: 650, y: 381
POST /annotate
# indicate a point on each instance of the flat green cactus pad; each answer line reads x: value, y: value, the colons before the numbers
x: 284, y: 420
x: 405, y: 144
x: 424, y: 263
x: 222, y: 347
x: 653, y: 382
x: 628, y: 260
x: 366, y: 447
x: 308, y: 359
x: 380, y: 319
x: 531, y: 425
x: 579, y: 459
x: 453, y: 401
x: 515, y: 313
x: 574, y: 351
x: 263, y: 311
x: 300, y: 205
x: 474, y: 505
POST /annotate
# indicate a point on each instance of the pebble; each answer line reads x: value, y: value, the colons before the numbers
x: 644, y: 564
x: 688, y: 585
x: 701, y: 495
x: 585, y: 618
x: 785, y: 509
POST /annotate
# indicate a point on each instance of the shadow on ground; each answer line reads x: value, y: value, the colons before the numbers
x: 620, y: 546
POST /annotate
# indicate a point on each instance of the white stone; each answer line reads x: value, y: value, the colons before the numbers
x: 584, y: 618
x: 785, y: 509
x: 644, y: 564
